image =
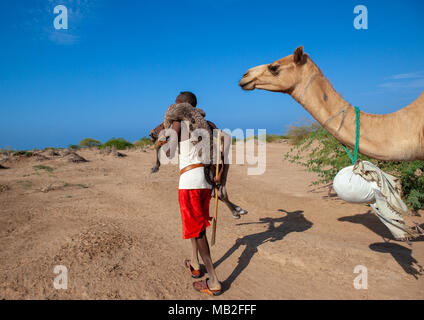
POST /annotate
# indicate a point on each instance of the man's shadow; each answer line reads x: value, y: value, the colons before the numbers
x: 292, y: 222
x: 402, y: 256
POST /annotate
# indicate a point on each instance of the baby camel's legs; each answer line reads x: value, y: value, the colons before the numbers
x: 235, y: 209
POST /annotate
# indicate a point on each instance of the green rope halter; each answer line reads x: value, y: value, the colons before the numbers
x: 355, y: 152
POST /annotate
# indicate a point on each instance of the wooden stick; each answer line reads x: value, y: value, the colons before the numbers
x: 218, y: 157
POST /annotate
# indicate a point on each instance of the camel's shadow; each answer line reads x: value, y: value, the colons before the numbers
x: 402, y: 255
x: 369, y: 220
x: 292, y: 222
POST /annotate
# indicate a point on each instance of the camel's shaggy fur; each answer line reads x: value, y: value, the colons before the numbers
x: 196, y: 119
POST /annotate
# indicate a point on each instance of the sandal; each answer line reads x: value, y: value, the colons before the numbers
x: 195, y: 274
x: 202, y: 287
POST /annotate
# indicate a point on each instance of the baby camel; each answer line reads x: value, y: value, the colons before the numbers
x: 222, y: 191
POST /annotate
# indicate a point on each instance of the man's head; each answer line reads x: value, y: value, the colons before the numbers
x: 188, y: 97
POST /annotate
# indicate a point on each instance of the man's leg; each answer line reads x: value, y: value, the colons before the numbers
x: 194, y: 255
x: 203, y: 246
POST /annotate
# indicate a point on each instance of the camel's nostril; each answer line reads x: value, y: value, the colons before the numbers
x: 245, y: 75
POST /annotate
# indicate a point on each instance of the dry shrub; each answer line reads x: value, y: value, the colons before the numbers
x: 298, y: 132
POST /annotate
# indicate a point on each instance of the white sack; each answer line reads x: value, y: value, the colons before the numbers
x: 366, y: 183
x: 352, y: 187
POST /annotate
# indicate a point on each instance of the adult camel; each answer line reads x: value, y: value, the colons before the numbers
x: 397, y: 136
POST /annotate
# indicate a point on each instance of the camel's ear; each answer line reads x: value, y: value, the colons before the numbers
x: 298, y: 56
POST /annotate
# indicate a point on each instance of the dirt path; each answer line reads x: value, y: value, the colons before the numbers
x: 117, y: 229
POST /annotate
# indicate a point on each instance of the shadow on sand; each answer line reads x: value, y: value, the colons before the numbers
x: 292, y: 222
x: 402, y: 256
x: 371, y: 221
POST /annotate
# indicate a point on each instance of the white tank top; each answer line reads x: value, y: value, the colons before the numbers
x: 194, y: 178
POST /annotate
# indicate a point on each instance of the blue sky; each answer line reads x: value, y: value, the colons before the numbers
x: 120, y: 64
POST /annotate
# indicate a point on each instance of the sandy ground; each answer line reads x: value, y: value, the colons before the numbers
x: 117, y: 229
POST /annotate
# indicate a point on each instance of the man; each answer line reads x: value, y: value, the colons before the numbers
x: 194, y: 197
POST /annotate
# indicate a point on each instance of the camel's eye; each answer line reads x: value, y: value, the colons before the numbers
x: 273, y: 69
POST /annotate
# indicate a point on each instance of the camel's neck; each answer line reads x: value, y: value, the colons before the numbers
x: 316, y: 94
x: 383, y: 137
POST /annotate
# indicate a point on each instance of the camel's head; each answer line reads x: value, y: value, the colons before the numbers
x: 280, y: 76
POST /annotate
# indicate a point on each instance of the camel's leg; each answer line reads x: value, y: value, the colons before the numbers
x: 228, y: 203
x: 223, y: 195
x: 230, y: 206
x: 155, y: 168
x: 235, y: 209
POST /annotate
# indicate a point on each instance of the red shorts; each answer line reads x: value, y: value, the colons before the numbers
x: 194, y: 207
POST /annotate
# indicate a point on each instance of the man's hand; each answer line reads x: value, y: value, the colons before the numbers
x: 217, y: 179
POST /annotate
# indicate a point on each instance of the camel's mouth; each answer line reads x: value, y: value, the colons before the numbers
x: 250, y: 78
x: 247, y: 84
